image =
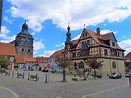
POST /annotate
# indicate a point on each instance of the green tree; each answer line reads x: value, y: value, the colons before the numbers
x: 63, y: 62
x: 4, y: 61
x: 94, y: 64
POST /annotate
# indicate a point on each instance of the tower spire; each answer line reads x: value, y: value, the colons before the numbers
x: 68, y: 36
x: 68, y: 28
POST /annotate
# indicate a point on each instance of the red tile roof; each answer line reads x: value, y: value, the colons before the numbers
x: 102, y: 36
x: 7, y: 49
x: 42, y: 59
x: 30, y: 59
x: 19, y: 58
x: 75, y: 41
x: 57, y: 53
x: 106, y: 36
x: 93, y: 35
x: 128, y: 55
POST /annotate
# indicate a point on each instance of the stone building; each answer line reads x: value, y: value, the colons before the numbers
x: 24, y: 42
x: 94, y: 44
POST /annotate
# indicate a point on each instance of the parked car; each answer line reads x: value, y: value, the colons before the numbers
x: 53, y: 70
x: 128, y: 74
x: 45, y: 70
x: 116, y: 75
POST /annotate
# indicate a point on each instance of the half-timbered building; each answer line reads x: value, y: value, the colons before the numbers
x: 94, y: 44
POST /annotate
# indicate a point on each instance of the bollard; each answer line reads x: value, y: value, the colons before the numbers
x: 36, y: 76
x: 129, y: 81
x: 45, y: 78
x: 17, y: 74
x: 23, y: 75
x: 13, y: 74
x: 9, y: 73
x: 28, y: 75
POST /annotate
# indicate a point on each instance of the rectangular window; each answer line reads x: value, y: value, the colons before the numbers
x: 118, y: 54
x: 113, y: 44
x: 105, y: 52
x: 74, y: 54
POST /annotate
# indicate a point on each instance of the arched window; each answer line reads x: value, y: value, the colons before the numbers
x: 75, y: 65
x: 22, y: 49
x: 113, y: 64
x: 81, y: 65
x: 28, y: 50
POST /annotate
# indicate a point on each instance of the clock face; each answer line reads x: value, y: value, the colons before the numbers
x: 12, y: 59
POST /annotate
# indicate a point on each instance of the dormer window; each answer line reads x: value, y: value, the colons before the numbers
x: 113, y: 44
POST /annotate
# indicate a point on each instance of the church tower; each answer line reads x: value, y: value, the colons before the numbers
x: 68, y: 42
x: 24, y: 42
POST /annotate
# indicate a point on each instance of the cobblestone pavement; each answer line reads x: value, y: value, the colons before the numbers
x: 55, y: 88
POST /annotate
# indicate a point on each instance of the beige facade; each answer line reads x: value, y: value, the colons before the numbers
x: 93, y: 44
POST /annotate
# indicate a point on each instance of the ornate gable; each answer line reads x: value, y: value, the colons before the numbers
x: 113, y: 38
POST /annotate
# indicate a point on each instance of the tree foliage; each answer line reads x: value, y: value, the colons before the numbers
x: 63, y: 62
x: 93, y: 63
x: 4, y: 61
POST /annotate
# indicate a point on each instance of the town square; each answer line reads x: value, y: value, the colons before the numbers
x: 65, y: 49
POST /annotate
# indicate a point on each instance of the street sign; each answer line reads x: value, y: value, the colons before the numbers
x: 48, y: 65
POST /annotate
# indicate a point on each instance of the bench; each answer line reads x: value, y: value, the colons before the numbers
x: 20, y: 75
x: 33, y: 77
x: 7, y: 73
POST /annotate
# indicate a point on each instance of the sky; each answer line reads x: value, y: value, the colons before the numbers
x: 48, y: 20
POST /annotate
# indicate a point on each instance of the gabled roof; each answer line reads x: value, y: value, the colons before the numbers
x: 7, y: 49
x: 128, y: 55
x: 93, y: 35
x: 108, y: 36
x: 57, y: 53
x: 30, y: 59
x: 19, y: 58
x: 97, y: 38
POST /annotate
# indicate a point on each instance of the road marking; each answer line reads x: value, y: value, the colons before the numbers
x: 55, y: 79
x: 16, y: 96
x: 85, y: 96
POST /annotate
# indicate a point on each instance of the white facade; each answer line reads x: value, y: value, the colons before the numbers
x: 53, y: 65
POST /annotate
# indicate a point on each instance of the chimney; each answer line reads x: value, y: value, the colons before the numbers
x: 98, y: 31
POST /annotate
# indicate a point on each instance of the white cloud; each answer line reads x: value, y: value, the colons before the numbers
x: 60, y: 45
x: 7, y: 20
x: 107, y: 31
x: 77, y: 37
x: 38, y: 45
x: 4, y: 35
x: 126, y: 45
x: 76, y: 12
x: 47, y: 53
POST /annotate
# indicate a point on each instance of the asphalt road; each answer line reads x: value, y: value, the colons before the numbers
x: 55, y: 88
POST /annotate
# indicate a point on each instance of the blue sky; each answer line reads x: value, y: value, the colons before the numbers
x: 48, y: 19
